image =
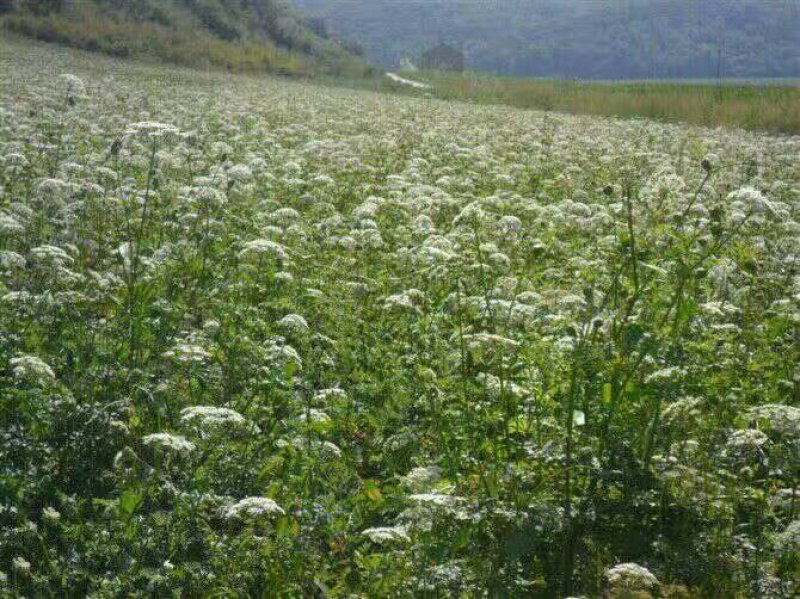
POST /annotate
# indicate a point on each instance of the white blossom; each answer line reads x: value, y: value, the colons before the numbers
x: 215, y: 418
x: 630, y: 577
x: 168, y: 443
x: 21, y: 566
x: 187, y: 353
x: 253, y: 508
x: 31, y: 367
x: 387, y: 535
x: 293, y: 323
x: 151, y: 129
x: 263, y: 247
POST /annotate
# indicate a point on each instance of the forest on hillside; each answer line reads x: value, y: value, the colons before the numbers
x: 612, y: 39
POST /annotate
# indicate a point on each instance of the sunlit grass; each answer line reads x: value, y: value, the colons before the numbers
x: 754, y: 107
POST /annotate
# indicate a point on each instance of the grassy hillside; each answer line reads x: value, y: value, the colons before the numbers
x: 242, y: 35
x: 753, y: 107
x: 611, y: 39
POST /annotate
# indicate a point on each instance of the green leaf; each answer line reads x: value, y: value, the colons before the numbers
x: 607, y: 394
x: 130, y: 501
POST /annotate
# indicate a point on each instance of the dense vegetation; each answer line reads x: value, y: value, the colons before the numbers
x: 756, y: 107
x: 245, y: 35
x: 611, y: 39
x: 264, y: 338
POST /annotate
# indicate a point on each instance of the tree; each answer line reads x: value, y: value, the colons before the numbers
x: 443, y: 57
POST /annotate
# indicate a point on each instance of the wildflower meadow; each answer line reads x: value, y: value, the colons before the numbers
x: 262, y: 337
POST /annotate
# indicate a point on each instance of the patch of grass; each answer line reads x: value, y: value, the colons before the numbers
x: 752, y: 107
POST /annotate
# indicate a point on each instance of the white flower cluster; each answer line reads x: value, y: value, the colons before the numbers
x: 747, y: 445
x: 168, y: 443
x: 435, y: 499
x: 789, y: 539
x: 212, y: 418
x: 324, y: 396
x: 782, y: 418
x: 496, y: 387
x: 263, y: 247
x: 300, y: 444
x: 75, y: 87
x: 253, y: 509
x: 630, y: 577
x: 387, y: 535
x: 186, y: 353
x: 51, y: 254
x: 314, y: 416
x: 31, y: 367
x: 407, y: 301
x: 151, y: 129
x: 423, y: 476
x: 281, y: 354
x: 21, y: 566
x: 293, y: 324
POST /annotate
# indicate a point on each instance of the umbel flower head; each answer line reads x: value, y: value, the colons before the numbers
x: 423, y: 477
x: 212, y: 418
x: 30, y: 367
x: 409, y: 300
x: 386, y: 535
x: 263, y: 247
x: 168, y: 443
x: 435, y: 499
x: 629, y: 577
x: 50, y: 254
x: 239, y: 173
x: 752, y: 198
x: 51, y: 515
x: 9, y: 225
x: 75, y: 87
x: 21, y: 566
x: 747, y: 446
x: 781, y: 418
x: 253, y: 509
x: 789, y: 540
x: 324, y: 396
x: 315, y: 416
x: 151, y: 129
x: 186, y: 353
x: 280, y: 354
x: 293, y: 323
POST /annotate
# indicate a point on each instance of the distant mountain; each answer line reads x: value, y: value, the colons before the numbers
x: 268, y: 35
x: 596, y: 39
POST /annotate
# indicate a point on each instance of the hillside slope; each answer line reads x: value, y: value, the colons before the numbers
x: 240, y: 35
x: 607, y: 39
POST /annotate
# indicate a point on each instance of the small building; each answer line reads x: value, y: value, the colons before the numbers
x: 442, y: 57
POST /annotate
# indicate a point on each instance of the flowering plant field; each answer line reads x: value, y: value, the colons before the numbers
x: 261, y: 337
